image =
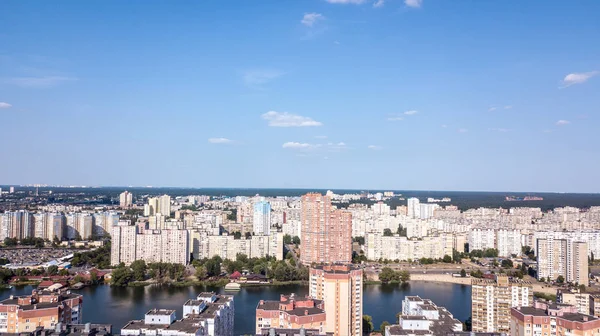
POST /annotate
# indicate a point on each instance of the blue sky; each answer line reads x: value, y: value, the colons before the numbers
x: 368, y: 94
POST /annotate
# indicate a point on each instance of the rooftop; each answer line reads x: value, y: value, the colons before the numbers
x: 165, y: 312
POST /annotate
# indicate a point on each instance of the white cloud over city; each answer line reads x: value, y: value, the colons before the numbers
x: 286, y: 119
x: 413, y: 3
x: 309, y: 19
x: 220, y: 140
x: 562, y: 122
x: 4, y: 105
x: 578, y: 78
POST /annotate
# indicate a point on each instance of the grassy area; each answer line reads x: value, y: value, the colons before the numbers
x: 545, y: 296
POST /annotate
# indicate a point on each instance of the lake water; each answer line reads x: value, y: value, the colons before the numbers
x: 105, y: 304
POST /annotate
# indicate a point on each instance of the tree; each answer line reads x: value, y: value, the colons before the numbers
x: 52, y: 270
x: 447, y: 259
x: 121, y: 276
x: 404, y: 276
x: 463, y: 273
x: 387, y: 274
x: 383, y: 325
x: 490, y: 253
x: 507, y: 263
x: 287, y: 239
x: 582, y: 288
x: 387, y: 233
x: 456, y: 256
x: 138, y: 268
x: 560, y: 279
x: 78, y: 278
x: 367, y: 324
x: 10, y: 241
x: 360, y: 240
x: 248, y: 235
x: 237, y: 235
x: 296, y: 240
x: 63, y: 272
x: 401, y: 231
x: 201, y: 272
x: 94, y: 276
x: 543, y: 279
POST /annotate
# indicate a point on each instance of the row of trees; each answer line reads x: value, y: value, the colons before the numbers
x: 140, y: 271
x: 389, y: 275
x: 287, y: 239
x: 30, y: 241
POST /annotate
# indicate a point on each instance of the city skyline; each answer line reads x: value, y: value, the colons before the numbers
x: 411, y: 95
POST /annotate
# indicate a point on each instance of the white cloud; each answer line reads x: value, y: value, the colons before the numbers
x: 336, y: 42
x: 562, y: 122
x: 499, y: 129
x: 297, y: 145
x: 39, y: 82
x: 444, y: 126
x: 578, y: 78
x: 492, y: 109
x: 320, y: 136
x: 258, y: 78
x: 374, y: 147
x: 411, y: 112
x: 507, y: 107
x: 462, y: 130
x: 310, y: 19
x: 285, y: 119
x: 344, y: 2
x: 4, y: 105
x: 413, y: 3
x: 396, y: 118
x: 220, y: 140
x: 379, y: 3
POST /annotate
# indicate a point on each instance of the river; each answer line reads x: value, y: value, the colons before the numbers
x: 105, y: 304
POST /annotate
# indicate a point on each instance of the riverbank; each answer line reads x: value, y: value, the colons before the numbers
x: 215, y: 283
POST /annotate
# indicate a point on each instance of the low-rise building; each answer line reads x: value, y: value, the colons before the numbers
x: 208, y: 315
x: 42, y: 309
x: 552, y: 319
x: 581, y: 301
x: 424, y: 318
x: 292, y: 312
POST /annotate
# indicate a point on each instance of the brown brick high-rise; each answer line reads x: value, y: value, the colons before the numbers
x: 326, y: 232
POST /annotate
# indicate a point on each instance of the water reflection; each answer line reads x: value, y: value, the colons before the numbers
x: 105, y: 304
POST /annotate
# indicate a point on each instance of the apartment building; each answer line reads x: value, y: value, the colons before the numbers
x: 424, y: 318
x: 227, y: 247
x: 378, y: 246
x: 125, y: 199
x: 129, y: 244
x: 491, y: 301
x: 208, y: 315
x: 262, y: 218
x: 340, y: 289
x: 326, y: 232
x: 543, y: 318
x: 291, y: 311
x: 581, y: 301
x: 562, y: 257
x: 43, y: 308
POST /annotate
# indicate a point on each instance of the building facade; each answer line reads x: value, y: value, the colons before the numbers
x: 562, y: 257
x: 262, y: 218
x: 553, y: 320
x: 130, y: 244
x: 326, y: 232
x: 340, y: 289
x: 491, y: 301
x: 44, y: 308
